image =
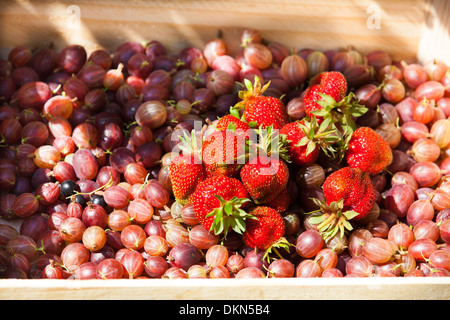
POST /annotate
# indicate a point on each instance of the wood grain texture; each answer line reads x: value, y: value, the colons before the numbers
x: 179, y: 23
x: 232, y: 289
x: 435, y: 40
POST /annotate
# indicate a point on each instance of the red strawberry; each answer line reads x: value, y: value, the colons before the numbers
x: 223, y: 152
x: 186, y: 172
x: 265, y: 230
x: 354, y: 187
x: 219, y: 202
x: 305, y: 139
x: 312, y: 96
x: 264, y: 178
x: 259, y: 110
x: 326, y: 100
x: 349, y: 195
x: 266, y: 111
x: 368, y: 151
x: 231, y: 122
x: 331, y: 83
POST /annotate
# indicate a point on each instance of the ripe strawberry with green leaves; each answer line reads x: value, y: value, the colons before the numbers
x: 186, y: 170
x: 224, y: 153
x: 232, y: 122
x: 264, y: 178
x: 368, y: 151
x: 260, y: 110
x: 354, y: 186
x: 326, y: 97
x: 349, y: 194
x: 306, y: 138
x: 331, y: 83
x: 265, y: 230
x: 219, y: 204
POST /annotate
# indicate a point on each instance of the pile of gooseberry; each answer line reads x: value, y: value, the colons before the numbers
x: 86, y: 140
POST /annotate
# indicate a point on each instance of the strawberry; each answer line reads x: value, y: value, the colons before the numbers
x: 333, y: 83
x: 265, y: 230
x: 185, y: 174
x: 261, y: 110
x: 349, y: 195
x: 219, y: 204
x: 368, y: 151
x: 330, y: 83
x: 223, y: 152
x: 352, y: 185
x: 231, y: 122
x: 186, y: 170
x: 266, y: 111
x: 325, y: 99
x: 264, y: 177
x: 305, y: 140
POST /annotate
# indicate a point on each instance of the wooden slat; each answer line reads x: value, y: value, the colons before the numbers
x: 179, y: 23
x: 435, y: 40
x: 232, y: 289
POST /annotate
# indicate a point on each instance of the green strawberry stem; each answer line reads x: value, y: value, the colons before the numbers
x: 235, y: 113
x: 229, y: 215
x: 333, y: 219
x: 192, y: 144
x: 330, y: 219
x: 272, y: 144
x: 324, y: 136
x: 341, y: 112
x: 280, y: 243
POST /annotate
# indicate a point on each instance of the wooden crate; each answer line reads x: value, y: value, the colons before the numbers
x: 413, y: 29
x: 410, y: 30
x: 229, y: 289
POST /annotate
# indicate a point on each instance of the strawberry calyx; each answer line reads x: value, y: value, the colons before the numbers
x: 234, y: 112
x: 339, y: 116
x: 323, y: 136
x: 229, y: 215
x: 192, y: 144
x: 341, y: 112
x: 333, y: 218
x: 253, y: 90
x: 281, y: 243
x: 271, y: 143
